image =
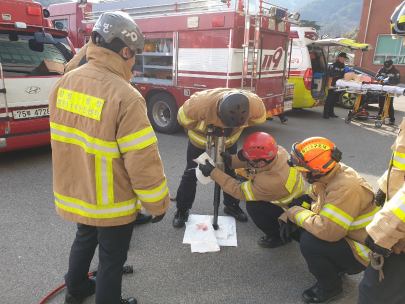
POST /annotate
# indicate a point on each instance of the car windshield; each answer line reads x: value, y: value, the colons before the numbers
x: 20, y: 60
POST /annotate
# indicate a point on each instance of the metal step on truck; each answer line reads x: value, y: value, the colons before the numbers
x: 198, y: 45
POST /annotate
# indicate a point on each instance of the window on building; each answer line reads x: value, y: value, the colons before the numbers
x: 389, y: 48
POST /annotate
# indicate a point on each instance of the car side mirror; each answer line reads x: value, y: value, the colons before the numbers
x: 35, y: 46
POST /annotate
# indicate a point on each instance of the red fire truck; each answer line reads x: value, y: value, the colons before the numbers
x: 203, y: 44
x: 32, y: 58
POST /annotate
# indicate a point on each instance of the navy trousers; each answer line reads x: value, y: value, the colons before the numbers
x: 113, y: 246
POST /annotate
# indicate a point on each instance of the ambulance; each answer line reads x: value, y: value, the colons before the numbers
x: 308, y: 66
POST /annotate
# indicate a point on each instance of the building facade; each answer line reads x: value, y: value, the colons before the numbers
x: 374, y: 29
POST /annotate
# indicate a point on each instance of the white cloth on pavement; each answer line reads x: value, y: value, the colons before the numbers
x: 202, y: 237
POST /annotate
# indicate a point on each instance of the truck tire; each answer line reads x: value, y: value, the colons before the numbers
x: 162, y: 113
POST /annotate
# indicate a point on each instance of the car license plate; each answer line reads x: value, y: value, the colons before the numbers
x: 31, y: 113
x: 288, y: 105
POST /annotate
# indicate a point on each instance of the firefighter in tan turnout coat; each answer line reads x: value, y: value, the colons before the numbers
x: 273, y: 184
x: 386, y: 234
x: 105, y: 158
x: 343, y: 205
x: 228, y: 109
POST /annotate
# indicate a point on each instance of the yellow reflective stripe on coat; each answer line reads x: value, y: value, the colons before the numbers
x: 90, y: 144
x: 302, y: 216
x: 363, y: 220
x: 137, y: 141
x: 247, y: 190
x: 398, y: 160
x: 154, y: 195
x: 297, y: 192
x: 79, y: 103
x: 197, y: 138
x: 183, y: 118
x: 260, y: 120
x: 397, y: 205
x: 201, y: 126
x: 234, y: 138
x: 338, y: 216
x: 362, y: 250
x: 77, y: 206
x: 104, y: 180
x: 291, y: 180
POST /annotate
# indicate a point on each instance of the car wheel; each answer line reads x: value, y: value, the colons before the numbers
x: 347, y: 100
x: 162, y: 113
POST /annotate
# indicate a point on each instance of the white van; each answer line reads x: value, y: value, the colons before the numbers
x: 308, y: 65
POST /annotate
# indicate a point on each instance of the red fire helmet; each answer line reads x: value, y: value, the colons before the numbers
x: 260, y: 145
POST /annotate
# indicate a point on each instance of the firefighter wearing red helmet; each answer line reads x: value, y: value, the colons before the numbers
x: 334, y: 223
x: 229, y: 109
x: 273, y: 186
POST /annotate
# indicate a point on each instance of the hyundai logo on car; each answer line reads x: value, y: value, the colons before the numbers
x: 32, y: 90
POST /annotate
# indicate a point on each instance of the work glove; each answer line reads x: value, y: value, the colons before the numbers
x: 158, y: 218
x: 227, y: 158
x: 380, y: 198
x: 386, y: 80
x: 241, y: 157
x: 303, y: 201
x: 369, y: 242
x: 207, y: 168
x: 285, y: 231
x: 381, y: 78
x: 348, y: 70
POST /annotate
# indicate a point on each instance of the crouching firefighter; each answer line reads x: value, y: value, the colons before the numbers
x: 228, y: 111
x: 105, y: 158
x: 273, y: 184
x: 343, y: 205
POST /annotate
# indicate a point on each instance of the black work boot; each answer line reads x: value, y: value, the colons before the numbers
x: 142, y: 218
x: 332, y: 114
x: 317, y: 295
x: 270, y: 241
x: 78, y: 298
x: 129, y: 301
x: 180, y: 217
x: 235, y: 211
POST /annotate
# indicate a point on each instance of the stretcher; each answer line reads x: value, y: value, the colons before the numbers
x: 360, y: 89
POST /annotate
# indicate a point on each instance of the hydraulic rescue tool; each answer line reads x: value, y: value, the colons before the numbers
x: 219, y: 147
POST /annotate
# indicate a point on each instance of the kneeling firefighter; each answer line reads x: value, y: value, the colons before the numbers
x: 386, y: 233
x: 225, y: 110
x: 273, y: 184
x: 105, y: 157
x: 343, y: 204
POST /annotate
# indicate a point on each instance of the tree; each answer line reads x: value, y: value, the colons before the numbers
x: 309, y: 23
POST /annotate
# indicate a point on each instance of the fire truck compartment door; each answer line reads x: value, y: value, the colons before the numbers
x: 351, y: 44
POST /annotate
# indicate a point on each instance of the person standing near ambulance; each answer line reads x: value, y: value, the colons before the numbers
x: 273, y: 184
x: 228, y: 109
x: 336, y: 71
x: 334, y: 223
x: 106, y: 161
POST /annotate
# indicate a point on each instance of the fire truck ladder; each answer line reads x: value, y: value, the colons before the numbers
x: 163, y: 9
x: 252, y: 46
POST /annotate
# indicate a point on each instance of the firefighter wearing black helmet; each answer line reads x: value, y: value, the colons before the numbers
x: 224, y: 108
x: 106, y: 163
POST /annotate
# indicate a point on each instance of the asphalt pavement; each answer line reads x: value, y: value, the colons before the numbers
x: 35, y: 242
